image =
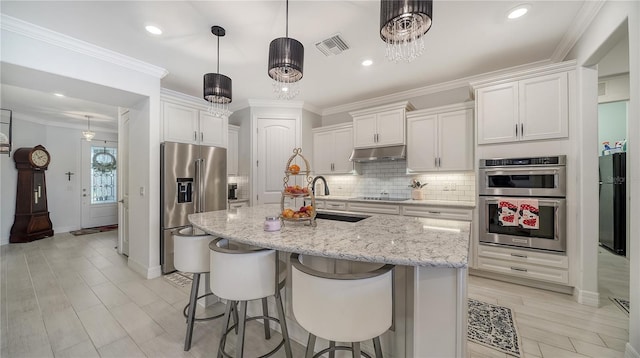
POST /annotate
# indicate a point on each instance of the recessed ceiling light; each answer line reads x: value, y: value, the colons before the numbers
x: 153, y: 30
x: 58, y: 94
x: 367, y: 62
x: 518, y: 11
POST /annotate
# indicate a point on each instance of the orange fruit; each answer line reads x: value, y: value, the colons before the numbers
x: 294, y: 169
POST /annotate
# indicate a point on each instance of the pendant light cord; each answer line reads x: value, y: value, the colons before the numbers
x: 287, y: 21
x: 218, y: 64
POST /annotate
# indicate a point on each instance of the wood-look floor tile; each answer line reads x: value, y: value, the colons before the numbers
x: 83, y: 349
x: 138, y: 292
x: 110, y: 295
x: 93, y: 277
x: 480, y: 351
x: 555, y: 352
x: 64, y: 329
x: 593, y: 350
x: 165, y: 290
x: 530, y: 347
x: 169, y: 318
x: 139, y: 325
x: 124, y: 347
x: 543, y: 336
x: 166, y: 346
x: 27, y: 336
x: 81, y: 297
x: 559, y: 328
x: 614, y: 343
x: 101, y: 326
x: 117, y: 274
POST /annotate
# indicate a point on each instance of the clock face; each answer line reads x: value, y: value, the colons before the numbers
x: 39, y: 158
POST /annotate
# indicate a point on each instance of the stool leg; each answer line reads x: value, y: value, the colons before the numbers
x: 192, y: 310
x: 242, y: 322
x: 377, y: 347
x: 356, y: 350
x: 283, y: 325
x: 235, y: 315
x: 332, y: 345
x: 227, y: 318
x: 265, y: 312
x: 311, y: 344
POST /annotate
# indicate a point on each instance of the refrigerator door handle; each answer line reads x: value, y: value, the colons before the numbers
x: 198, y: 187
x: 201, y: 193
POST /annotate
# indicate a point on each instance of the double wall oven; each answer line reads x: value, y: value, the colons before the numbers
x: 540, y: 184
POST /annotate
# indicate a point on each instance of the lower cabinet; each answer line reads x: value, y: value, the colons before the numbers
x: 523, y: 263
x: 374, y: 208
x: 239, y: 204
x: 436, y: 212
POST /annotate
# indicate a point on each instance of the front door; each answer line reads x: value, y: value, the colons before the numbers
x: 99, y: 183
x: 276, y: 141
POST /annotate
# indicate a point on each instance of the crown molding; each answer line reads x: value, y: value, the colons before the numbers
x: 579, y: 25
x: 36, y: 32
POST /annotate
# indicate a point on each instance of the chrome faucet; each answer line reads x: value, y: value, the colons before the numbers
x: 313, y: 185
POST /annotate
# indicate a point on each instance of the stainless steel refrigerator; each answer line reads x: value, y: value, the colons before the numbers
x: 193, y: 179
x: 613, y: 203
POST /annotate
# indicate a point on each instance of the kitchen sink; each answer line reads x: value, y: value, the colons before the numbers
x: 351, y: 218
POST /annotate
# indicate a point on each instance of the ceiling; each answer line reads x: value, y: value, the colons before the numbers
x: 468, y: 38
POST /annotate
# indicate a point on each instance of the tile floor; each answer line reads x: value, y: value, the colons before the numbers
x: 74, y: 296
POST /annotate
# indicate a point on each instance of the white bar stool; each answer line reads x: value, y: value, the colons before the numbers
x: 191, y: 255
x: 242, y: 273
x: 353, y: 306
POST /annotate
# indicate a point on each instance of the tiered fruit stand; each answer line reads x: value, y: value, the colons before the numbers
x: 296, y: 192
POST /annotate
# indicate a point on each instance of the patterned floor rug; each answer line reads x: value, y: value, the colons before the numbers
x: 622, y: 303
x: 179, y: 279
x: 493, y: 326
x: 93, y: 230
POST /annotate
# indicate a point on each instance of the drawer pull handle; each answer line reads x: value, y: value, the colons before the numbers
x: 519, y: 255
x: 518, y: 269
x: 435, y: 212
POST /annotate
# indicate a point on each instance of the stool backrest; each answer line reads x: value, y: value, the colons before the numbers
x: 191, y: 250
x: 241, y: 272
x: 343, y: 307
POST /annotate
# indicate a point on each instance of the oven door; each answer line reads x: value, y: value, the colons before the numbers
x: 550, y: 234
x: 547, y: 181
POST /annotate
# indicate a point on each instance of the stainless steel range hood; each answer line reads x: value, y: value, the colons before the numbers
x: 395, y: 152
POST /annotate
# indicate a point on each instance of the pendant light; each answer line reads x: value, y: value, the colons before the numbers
x: 286, y: 59
x: 402, y: 25
x: 217, y: 87
x: 88, y: 134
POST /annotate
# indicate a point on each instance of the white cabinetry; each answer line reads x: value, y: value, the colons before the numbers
x: 531, y: 105
x: 525, y: 264
x: 440, y: 139
x: 332, y: 147
x: 380, y: 126
x: 185, y: 120
x: 232, y: 150
x: 374, y: 208
x: 437, y: 212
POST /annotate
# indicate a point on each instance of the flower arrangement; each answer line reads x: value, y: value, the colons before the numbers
x: 416, y: 184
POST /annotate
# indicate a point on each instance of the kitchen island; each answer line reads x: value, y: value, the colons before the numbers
x: 430, y: 279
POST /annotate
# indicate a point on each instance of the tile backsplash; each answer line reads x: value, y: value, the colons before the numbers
x: 391, y: 177
x: 243, y: 185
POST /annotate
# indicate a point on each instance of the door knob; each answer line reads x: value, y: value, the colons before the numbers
x: 84, y: 194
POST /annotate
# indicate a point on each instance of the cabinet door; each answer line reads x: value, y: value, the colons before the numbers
x: 455, y: 139
x: 390, y: 128
x: 497, y: 113
x: 323, y: 152
x: 180, y: 123
x: 364, y: 131
x: 213, y: 130
x: 232, y: 152
x: 422, y: 143
x: 342, y: 148
x: 544, y: 107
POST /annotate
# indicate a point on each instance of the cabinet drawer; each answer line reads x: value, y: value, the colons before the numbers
x: 524, y: 270
x: 523, y: 256
x: 437, y: 212
x: 237, y: 205
x: 375, y: 208
x: 335, y: 205
x: 320, y: 204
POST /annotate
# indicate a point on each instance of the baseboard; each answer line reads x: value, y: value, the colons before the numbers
x: 587, y: 298
x: 144, y: 271
x: 630, y: 352
x: 4, y: 241
x: 60, y: 230
x: 523, y: 281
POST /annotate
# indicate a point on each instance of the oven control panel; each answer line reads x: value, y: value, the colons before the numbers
x: 507, y: 162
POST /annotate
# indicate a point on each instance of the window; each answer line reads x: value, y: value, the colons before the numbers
x: 103, y: 175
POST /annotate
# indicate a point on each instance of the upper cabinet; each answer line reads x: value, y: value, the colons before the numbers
x: 332, y: 147
x: 232, y: 150
x: 380, y: 126
x: 440, y: 139
x: 533, y: 105
x: 186, y: 120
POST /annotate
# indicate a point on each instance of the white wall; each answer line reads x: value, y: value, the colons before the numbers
x: 588, y: 52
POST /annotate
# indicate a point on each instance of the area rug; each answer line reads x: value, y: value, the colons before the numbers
x: 493, y: 326
x: 179, y: 279
x: 621, y: 303
x: 93, y: 230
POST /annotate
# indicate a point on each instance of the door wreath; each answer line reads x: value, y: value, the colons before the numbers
x: 103, y: 162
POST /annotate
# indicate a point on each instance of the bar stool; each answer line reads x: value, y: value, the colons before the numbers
x: 242, y: 273
x: 353, y: 306
x: 191, y: 255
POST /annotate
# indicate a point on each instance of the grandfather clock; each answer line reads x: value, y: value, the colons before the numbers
x: 32, y: 220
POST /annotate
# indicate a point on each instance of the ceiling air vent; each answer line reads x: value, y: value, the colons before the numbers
x: 602, y: 88
x: 334, y: 45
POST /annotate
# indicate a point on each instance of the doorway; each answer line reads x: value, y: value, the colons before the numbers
x: 99, y: 183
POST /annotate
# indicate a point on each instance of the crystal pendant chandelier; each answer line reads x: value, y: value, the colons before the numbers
x: 88, y: 134
x: 217, y: 87
x: 402, y: 26
x: 286, y: 60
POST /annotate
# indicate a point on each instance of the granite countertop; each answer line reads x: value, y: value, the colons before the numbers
x: 454, y: 204
x: 393, y: 239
